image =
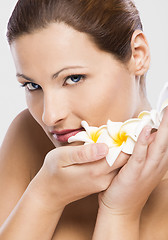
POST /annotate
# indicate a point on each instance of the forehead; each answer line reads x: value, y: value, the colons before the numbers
x: 57, y: 46
x: 58, y: 37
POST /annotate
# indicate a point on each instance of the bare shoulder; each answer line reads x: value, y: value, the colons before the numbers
x: 25, y: 142
x: 154, y: 220
x: 21, y: 156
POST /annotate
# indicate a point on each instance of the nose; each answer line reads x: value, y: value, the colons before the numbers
x: 55, y: 108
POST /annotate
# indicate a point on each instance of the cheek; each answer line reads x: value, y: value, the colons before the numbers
x: 35, y: 106
x: 99, y: 103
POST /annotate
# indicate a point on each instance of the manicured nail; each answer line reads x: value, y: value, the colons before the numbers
x: 148, y: 131
x: 102, y: 149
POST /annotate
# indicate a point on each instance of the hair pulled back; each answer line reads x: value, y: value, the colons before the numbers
x: 110, y: 23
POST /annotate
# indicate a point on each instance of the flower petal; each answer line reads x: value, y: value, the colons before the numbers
x: 93, y: 132
x: 113, y: 128
x: 105, y: 138
x: 84, y: 124
x: 80, y: 136
x: 141, y: 125
x: 88, y: 128
x: 128, y: 146
x: 155, y: 118
x: 162, y: 98
x: 130, y: 126
x: 113, y: 154
x: 164, y: 105
x: 103, y: 127
x: 147, y: 118
x: 144, y: 114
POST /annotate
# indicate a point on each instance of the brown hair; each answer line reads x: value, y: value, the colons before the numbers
x: 110, y: 23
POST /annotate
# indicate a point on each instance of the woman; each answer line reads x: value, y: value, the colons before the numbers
x: 80, y: 60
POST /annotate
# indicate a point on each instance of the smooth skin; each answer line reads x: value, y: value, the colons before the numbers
x: 52, y: 186
x: 149, y: 162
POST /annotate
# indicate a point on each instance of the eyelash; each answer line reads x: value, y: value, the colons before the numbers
x: 82, y: 77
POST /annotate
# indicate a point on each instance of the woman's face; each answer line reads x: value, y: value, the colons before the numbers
x: 69, y: 79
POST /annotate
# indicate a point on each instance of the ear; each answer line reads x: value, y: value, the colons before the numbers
x: 140, y: 53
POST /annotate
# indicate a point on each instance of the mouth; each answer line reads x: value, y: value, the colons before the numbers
x: 63, y: 136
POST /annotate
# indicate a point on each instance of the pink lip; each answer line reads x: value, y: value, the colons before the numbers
x: 62, y: 136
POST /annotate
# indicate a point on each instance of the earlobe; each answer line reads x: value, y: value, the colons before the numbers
x: 140, y: 53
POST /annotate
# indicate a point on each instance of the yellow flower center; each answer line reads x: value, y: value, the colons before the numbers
x: 95, y: 135
x: 120, y: 138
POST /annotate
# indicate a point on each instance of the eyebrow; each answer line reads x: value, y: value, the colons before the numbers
x: 55, y: 75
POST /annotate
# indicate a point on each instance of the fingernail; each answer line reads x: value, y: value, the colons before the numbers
x: 148, y: 131
x: 101, y: 149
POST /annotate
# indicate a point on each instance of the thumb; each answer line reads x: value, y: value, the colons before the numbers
x: 83, y: 153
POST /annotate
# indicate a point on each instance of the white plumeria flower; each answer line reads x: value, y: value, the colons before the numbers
x: 154, y: 117
x: 117, y: 135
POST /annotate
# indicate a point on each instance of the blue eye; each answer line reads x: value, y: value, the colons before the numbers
x: 31, y: 86
x: 73, y: 79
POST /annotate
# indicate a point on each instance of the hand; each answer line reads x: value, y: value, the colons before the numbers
x: 131, y: 187
x: 72, y: 172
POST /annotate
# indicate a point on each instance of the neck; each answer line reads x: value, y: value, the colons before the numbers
x: 143, y: 105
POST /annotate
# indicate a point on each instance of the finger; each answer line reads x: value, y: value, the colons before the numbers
x: 102, y: 167
x: 120, y: 161
x: 140, y: 149
x: 137, y: 161
x: 98, y: 172
x: 84, y: 154
x: 132, y: 170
